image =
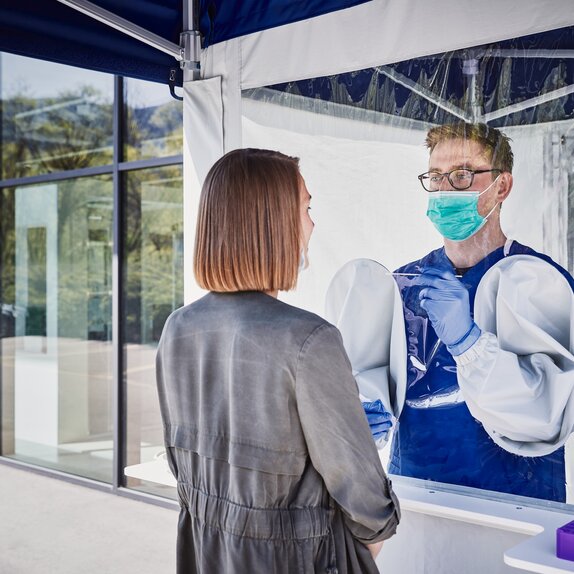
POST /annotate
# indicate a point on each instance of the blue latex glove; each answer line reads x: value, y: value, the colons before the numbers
x: 380, y: 420
x: 445, y: 299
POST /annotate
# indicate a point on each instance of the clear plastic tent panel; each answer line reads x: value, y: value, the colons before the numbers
x: 517, y: 82
x: 361, y: 140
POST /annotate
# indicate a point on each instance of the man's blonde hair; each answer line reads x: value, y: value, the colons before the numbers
x: 496, y: 145
x: 248, y: 235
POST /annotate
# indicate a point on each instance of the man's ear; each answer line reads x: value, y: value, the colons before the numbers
x: 505, y: 182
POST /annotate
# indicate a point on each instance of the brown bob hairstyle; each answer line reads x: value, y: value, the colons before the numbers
x: 248, y: 234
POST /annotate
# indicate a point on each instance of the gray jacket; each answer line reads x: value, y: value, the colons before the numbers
x: 276, y: 468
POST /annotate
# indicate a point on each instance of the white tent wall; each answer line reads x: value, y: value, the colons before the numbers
x: 359, y: 210
x: 361, y: 174
x: 385, y: 31
x: 365, y: 203
x: 370, y: 34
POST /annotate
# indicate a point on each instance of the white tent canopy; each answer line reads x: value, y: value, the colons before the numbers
x: 371, y: 34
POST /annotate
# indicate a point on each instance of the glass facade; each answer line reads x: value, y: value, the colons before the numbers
x: 153, y: 288
x: 154, y: 122
x: 53, y: 120
x: 56, y: 352
x: 74, y: 207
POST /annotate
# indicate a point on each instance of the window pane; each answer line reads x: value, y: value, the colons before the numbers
x: 54, y: 117
x: 55, y: 324
x: 154, y: 121
x: 153, y: 289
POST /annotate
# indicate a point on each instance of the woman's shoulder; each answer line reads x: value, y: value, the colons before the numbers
x: 250, y: 307
x: 309, y: 329
x: 181, y: 315
x: 303, y: 316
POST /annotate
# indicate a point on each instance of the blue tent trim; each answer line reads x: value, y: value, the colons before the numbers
x: 222, y: 20
x: 52, y: 31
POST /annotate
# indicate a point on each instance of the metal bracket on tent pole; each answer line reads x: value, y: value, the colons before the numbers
x: 423, y: 92
x: 125, y: 26
x: 190, y: 50
x: 470, y: 69
x: 542, y: 99
x: 538, y: 54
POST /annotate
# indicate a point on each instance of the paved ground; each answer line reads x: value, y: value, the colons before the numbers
x: 51, y: 526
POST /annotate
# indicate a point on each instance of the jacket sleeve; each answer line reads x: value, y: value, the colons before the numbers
x: 338, y: 438
x: 518, y: 378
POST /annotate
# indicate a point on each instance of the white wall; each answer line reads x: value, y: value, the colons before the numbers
x: 432, y: 545
x: 36, y: 394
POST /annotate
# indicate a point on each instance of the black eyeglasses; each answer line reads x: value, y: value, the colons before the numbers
x: 460, y: 179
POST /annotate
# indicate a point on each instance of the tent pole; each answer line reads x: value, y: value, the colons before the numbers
x: 190, y: 41
x: 542, y: 54
x: 542, y: 99
x: 470, y: 70
x: 125, y: 26
x: 423, y: 92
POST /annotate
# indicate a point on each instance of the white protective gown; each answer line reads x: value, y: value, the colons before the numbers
x: 525, y: 308
x: 364, y: 303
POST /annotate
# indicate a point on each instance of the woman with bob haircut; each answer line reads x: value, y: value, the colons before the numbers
x: 265, y: 485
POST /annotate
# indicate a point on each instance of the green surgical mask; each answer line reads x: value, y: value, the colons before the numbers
x: 455, y: 213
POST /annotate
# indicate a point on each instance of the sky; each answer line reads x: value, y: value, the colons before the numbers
x: 46, y: 79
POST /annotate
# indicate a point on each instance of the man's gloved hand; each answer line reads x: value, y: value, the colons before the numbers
x: 380, y: 420
x: 445, y: 299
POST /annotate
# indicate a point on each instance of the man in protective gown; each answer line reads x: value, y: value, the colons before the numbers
x: 490, y: 370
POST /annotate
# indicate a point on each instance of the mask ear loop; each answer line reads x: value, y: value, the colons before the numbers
x: 496, y: 204
x: 485, y: 190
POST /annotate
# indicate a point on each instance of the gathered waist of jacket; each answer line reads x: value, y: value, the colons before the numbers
x: 235, y: 450
x: 264, y: 523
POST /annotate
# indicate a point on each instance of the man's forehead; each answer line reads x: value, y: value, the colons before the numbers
x: 457, y: 153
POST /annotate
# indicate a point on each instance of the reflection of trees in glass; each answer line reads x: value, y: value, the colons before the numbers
x: 36, y: 280
x: 154, y: 251
x: 13, y: 150
x: 154, y: 131
x: 72, y: 130
x: 7, y: 245
x: 84, y: 258
x: 7, y: 263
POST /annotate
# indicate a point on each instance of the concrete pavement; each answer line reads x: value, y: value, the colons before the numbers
x: 51, y: 526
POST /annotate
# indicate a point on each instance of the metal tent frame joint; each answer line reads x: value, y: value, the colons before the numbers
x: 190, y: 50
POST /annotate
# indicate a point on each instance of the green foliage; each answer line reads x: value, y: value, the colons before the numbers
x: 71, y: 131
x: 61, y: 133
